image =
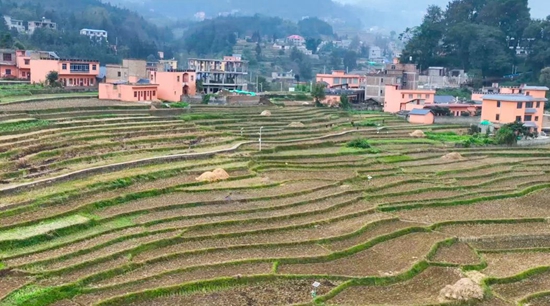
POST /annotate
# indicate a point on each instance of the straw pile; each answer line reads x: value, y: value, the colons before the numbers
x: 213, y: 176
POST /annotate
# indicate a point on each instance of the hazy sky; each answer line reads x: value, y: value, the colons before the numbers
x: 539, y: 8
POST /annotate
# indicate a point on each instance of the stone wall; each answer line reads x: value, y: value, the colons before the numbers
x: 243, y: 100
x: 457, y: 120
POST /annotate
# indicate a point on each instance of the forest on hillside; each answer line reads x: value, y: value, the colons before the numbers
x: 132, y: 35
x: 488, y: 38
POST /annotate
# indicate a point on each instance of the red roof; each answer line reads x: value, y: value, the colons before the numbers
x: 296, y: 37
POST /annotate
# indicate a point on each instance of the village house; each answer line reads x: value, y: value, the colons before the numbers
x: 129, y: 92
x: 398, y: 99
x: 131, y: 70
x: 228, y: 73
x: 421, y: 116
x: 516, y: 104
x: 339, y: 78
x: 71, y: 72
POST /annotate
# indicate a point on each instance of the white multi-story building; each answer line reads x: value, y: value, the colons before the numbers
x: 19, y: 25
x: 95, y: 34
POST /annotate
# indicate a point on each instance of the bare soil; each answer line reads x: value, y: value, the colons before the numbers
x: 457, y: 253
x: 515, y: 291
x: 510, y: 264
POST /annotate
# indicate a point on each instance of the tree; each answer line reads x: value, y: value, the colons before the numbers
x: 263, y: 84
x: 344, y: 102
x: 318, y: 93
x: 312, y: 44
x: 544, y: 77
x: 314, y: 28
x: 51, y: 78
x: 350, y: 60
x: 505, y: 135
x: 199, y: 85
x: 258, y: 50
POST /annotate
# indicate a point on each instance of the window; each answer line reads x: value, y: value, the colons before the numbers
x: 393, y: 67
x: 403, y: 96
x: 6, y: 57
x: 419, y: 96
x: 538, y: 104
x: 91, y: 82
x: 70, y: 81
x: 23, y: 73
x: 94, y: 67
x: 178, y: 78
x: 64, y: 66
x: 119, y: 74
x: 135, y: 94
x: 8, y: 71
x: 498, y: 103
x: 27, y: 61
x: 528, y: 118
x: 529, y: 104
x: 382, y: 80
x: 410, y: 96
x: 518, y: 118
x: 528, y: 93
x: 80, y: 67
x: 192, y: 78
x: 154, y: 93
x: 497, y: 117
x: 536, y: 118
x: 427, y: 96
x: 381, y: 92
x: 520, y: 105
x: 336, y: 80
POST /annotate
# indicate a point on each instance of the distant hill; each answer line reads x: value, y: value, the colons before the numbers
x: 135, y: 37
x: 286, y: 9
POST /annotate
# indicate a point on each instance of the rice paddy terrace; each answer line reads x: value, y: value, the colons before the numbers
x: 99, y: 205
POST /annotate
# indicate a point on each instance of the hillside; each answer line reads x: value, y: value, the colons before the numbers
x: 133, y: 35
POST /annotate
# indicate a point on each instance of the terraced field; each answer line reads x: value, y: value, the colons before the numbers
x: 99, y: 205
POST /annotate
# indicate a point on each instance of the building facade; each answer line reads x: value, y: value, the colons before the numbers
x: 41, y: 24
x: 339, y: 77
x: 174, y: 84
x: 71, y: 72
x: 395, y: 73
x: 228, y: 73
x: 526, y: 106
x: 131, y: 70
x: 398, y: 99
x: 94, y: 34
x: 128, y: 92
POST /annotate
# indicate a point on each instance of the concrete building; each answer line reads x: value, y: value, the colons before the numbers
x: 283, y: 76
x: 128, y: 92
x: 8, y: 64
x: 404, y: 75
x: 97, y: 35
x: 339, y: 78
x: 296, y: 40
x: 440, y: 77
x: 71, y: 72
x: 174, y: 84
x: 131, y: 70
x: 523, y: 104
x: 398, y: 99
x: 375, y: 53
x: 15, y: 24
x: 41, y: 24
x: 228, y: 73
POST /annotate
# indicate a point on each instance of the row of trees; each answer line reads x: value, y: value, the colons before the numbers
x: 481, y: 36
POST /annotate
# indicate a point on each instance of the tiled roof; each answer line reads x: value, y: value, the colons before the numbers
x: 443, y: 99
x: 513, y: 98
x: 418, y: 111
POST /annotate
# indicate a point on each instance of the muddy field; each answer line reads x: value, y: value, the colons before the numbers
x: 393, y: 224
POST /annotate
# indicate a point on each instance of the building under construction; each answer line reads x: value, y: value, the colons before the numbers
x: 228, y: 73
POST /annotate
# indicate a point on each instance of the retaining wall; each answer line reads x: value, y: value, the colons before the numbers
x: 457, y: 120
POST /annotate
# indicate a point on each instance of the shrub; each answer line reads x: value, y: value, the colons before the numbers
x: 179, y: 105
x: 366, y: 123
x: 206, y: 98
x: 358, y: 144
x: 506, y: 135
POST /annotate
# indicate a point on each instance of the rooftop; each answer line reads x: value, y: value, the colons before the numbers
x: 421, y: 112
x: 512, y: 98
x: 444, y: 99
x: 535, y: 88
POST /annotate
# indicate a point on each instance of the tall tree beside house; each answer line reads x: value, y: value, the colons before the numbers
x: 350, y: 60
x: 51, y: 78
x: 318, y: 93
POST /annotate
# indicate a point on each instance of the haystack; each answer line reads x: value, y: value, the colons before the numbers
x: 296, y: 124
x: 452, y: 156
x: 266, y: 113
x: 463, y: 290
x: 213, y: 176
x: 418, y: 134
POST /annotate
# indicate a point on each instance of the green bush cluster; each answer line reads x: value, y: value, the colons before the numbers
x: 462, y: 140
x: 179, y: 105
x: 192, y: 117
x: 359, y: 144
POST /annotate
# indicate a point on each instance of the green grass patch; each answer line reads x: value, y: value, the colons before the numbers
x: 465, y: 140
x: 395, y: 159
x: 42, y: 228
x: 179, y: 105
x: 193, y: 117
x: 18, y: 126
x: 33, y: 295
x: 366, y: 123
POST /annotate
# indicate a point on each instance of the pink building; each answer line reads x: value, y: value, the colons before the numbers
x: 421, y: 116
x: 526, y: 106
x: 397, y: 99
x: 128, y: 92
x: 8, y: 64
x: 23, y: 59
x: 339, y: 77
x: 72, y: 72
x: 174, y: 84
